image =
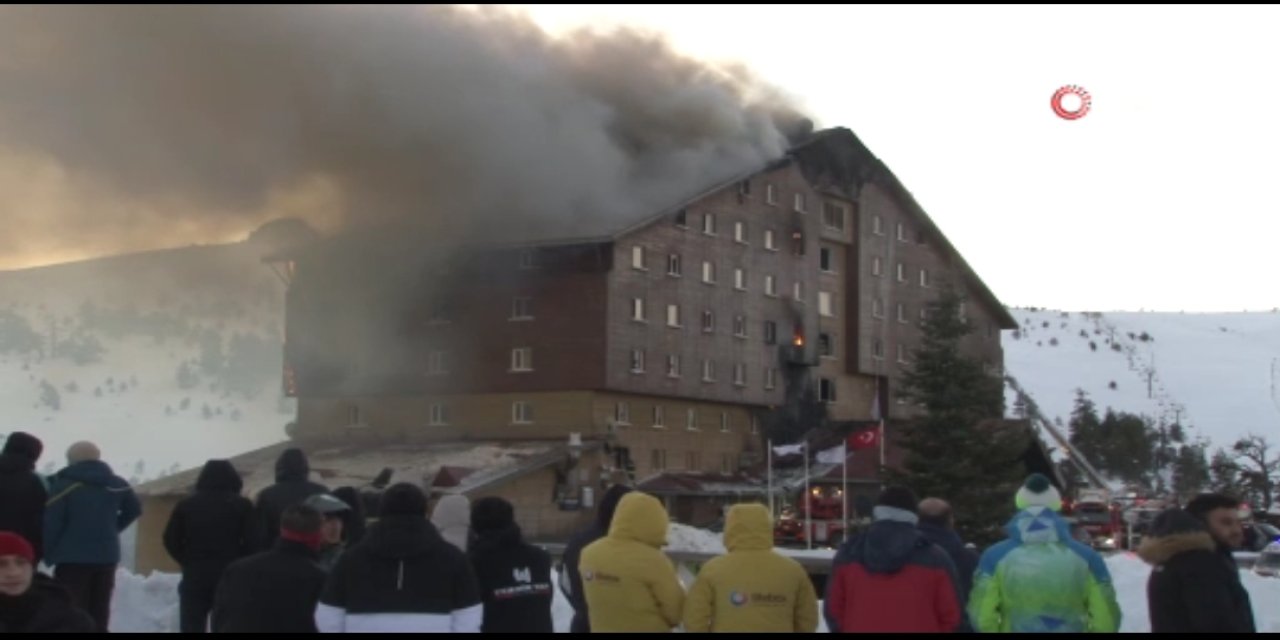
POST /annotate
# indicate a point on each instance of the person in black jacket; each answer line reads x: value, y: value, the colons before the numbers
x: 30, y: 602
x: 353, y: 520
x: 22, y: 493
x: 206, y: 533
x: 1195, y: 583
x: 275, y: 591
x: 937, y: 524
x: 573, y: 553
x: 514, y: 576
x: 403, y: 578
x: 291, y: 487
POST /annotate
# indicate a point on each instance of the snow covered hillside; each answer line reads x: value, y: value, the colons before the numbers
x: 1213, y: 372
x: 165, y: 359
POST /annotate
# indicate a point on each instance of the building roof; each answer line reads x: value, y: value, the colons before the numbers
x: 688, y: 483
x: 358, y: 465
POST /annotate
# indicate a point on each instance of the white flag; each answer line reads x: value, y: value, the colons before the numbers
x: 788, y: 450
x: 875, y: 406
x: 834, y: 455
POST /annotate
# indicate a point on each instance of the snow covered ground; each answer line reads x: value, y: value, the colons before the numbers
x: 1211, y: 371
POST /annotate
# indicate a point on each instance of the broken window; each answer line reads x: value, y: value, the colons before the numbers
x: 827, y: 390
x: 826, y: 345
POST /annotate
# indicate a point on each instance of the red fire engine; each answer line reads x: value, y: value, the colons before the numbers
x: 823, y: 509
x: 1097, y: 517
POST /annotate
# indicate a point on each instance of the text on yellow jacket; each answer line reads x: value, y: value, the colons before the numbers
x: 629, y: 583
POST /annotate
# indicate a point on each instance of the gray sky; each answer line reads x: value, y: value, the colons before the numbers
x: 1160, y: 198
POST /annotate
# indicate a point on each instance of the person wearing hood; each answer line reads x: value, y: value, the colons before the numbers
x: 937, y: 525
x: 88, y: 508
x: 29, y: 601
x: 1195, y: 585
x: 890, y: 579
x: 752, y: 589
x: 292, y: 487
x: 275, y: 591
x: 207, y: 532
x: 333, y: 534
x: 629, y: 583
x: 22, y: 492
x: 1040, y: 579
x: 514, y: 576
x: 403, y: 578
x: 573, y: 555
x: 452, y: 518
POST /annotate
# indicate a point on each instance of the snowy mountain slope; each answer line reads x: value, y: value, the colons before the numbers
x: 1212, y: 372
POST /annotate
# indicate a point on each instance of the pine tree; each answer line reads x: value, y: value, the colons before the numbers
x: 951, y: 451
x: 1086, y: 428
x: 1190, y: 472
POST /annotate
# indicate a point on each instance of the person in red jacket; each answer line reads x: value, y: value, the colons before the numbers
x: 890, y: 578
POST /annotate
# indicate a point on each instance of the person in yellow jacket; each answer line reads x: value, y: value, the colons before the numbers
x: 630, y: 584
x: 752, y: 589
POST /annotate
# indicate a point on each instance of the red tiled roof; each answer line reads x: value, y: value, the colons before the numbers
x: 451, y: 476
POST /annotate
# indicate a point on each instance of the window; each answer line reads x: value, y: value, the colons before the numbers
x: 659, y: 460
x: 740, y: 232
x: 674, y: 265
x: 877, y: 308
x: 825, y: 260
x: 709, y: 224
x: 827, y: 390
x: 755, y: 424
x: 744, y: 187
x: 439, y: 415
x: 740, y: 375
x: 637, y: 309
x: 724, y: 422
x: 770, y: 378
x: 682, y: 218
x: 902, y: 272
x: 770, y: 194
x: 902, y: 354
x: 826, y: 303
x: 924, y: 277
x: 924, y: 315
x: 902, y: 313
x: 800, y: 203
x: 637, y: 257
x: 622, y: 413
x: 637, y: 361
x: 877, y: 349
x: 693, y: 460
x: 521, y: 413
x: 769, y: 240
x: 691, y: 420
x: 354, y: 416
x: 902, y: 232
x: 673, y: 315
x: 726, y: 464
x: 739, y: 279
x: 522, y: 359
x: 528, y: 259
x: 770, y: 286
x: 798, y: 291
x: 770, y: 332
x: 673, y: 366
x: 797, y: 243
x: 436, y: 363
x: 708, y: 273
x: 833, y: 216
x: 522, y: 309
x: 659, y: 416
x: 826, y: 345
x: 708, y: 322
x: 740, y: 326
x: 877, y: 225
x: 708, y: 371
x: 877, y: 267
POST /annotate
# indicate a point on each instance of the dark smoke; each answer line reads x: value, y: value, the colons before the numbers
x: 165, y: 125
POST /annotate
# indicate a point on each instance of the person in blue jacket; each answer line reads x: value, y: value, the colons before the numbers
x: 88, y: 508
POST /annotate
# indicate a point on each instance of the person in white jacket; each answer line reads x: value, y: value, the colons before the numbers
x: 403, y: 578
x: 452, y: 517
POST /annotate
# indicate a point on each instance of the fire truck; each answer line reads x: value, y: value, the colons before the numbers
x: 823, y: 508
x: 1098, y: 518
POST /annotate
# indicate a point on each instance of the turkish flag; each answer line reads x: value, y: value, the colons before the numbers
x: 864, y: 439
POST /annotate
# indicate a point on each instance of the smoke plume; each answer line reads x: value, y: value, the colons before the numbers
x: 126, y: 127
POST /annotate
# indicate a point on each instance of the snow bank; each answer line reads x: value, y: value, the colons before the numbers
x: 1129, y: 575
x: 145, y: 605
x: 685, y: 538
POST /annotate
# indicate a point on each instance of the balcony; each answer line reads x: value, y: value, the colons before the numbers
x: 799, y: 355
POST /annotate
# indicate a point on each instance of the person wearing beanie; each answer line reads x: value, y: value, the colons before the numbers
x: 29, y: 601
x: 452, y: 518
x: 1192, y: 587
x: 752, y: 589
x: 570, y: 577
x: 629, y: 583
x: 890, y: 579
x: 206, y: 532
x: 88, y: 507
x: 514, y: 576
x: 402, y: 578
x: 293, y: 485
x: 22, y: 492
x: 1040, y: 579
x: 275, y: 591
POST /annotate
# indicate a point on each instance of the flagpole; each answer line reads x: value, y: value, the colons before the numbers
x: 808, y: 498
x: 769, y: 458
x: 844, y: 485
